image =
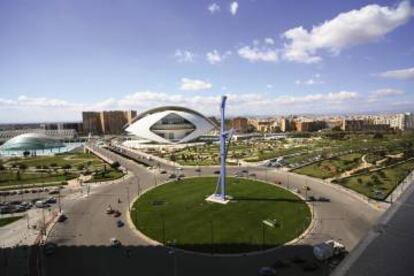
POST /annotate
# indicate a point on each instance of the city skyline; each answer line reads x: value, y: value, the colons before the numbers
x: 61, y: 58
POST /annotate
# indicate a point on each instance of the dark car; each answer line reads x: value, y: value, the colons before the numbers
x: 117, y: 213
x: 62, y: 218
x: 163, y: 172
x: 172, y: 176
x: 51, y: 200
x: 216, y: 172
x: 119, y: 223
x: 324, y: 199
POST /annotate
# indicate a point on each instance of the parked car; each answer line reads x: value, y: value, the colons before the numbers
x: 172, y: 176
x: 51, y: 200
x: 41, y: 204
x: 163, y: 172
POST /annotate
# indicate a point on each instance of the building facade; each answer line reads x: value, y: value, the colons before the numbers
x: 106, y: 122
x: 308, y: 126
x: 239, y: 124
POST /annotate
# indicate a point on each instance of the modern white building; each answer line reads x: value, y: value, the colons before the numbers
x: 170, y: 125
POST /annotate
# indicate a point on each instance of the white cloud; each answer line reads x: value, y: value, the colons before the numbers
x: 234, y: 7
x: 184, y: 56
x: 214, y: 8
x: 334, y: 97
x: 269, y: 41
x: 367, y: 24
x: 194, y: 85
x: 254, y: 54
x: 312, y: 81
x: 269, y: 86
x: 385, y: 92
x: 215, y: 57
x: 401, y: 74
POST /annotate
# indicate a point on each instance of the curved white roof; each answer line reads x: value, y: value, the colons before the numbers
x: 193, y: 125
x: 31, y: 141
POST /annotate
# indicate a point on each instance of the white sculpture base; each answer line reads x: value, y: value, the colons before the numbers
x: 216, y: 199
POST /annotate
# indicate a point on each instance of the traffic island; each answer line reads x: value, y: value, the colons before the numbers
x: 259, y: 216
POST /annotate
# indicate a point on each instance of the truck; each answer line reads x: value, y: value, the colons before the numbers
x: 328, y: 249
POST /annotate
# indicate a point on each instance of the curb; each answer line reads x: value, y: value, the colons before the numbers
x: 252, y: 253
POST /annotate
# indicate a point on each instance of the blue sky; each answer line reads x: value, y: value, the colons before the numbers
x: 59, y: 57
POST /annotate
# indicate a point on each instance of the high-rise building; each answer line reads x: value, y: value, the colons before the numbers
x: 305, y: 126
x: 240, y: 124
x: 106, y: 122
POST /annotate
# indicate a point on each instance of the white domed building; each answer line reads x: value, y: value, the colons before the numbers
x: 170, y: 125
x: 31, y: 141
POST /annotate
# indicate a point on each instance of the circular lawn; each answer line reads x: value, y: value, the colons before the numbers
x: 259, y: 216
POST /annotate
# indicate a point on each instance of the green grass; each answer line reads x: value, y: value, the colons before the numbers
x: 79, y: 162
x: 8, y: 178
x: 8, y: 220
x: 178, y: 212
x: 332, y: 167
x: 383, y: 181
x: 111, y: 174
x: 73, y: 159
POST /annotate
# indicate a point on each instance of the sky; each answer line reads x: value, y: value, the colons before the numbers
x: 61, y: 57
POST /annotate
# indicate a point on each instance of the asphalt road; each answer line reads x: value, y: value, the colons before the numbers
x: 84, y: 238
x: 387, y: 248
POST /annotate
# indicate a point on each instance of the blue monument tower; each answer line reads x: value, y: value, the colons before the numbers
x: 220, y: 195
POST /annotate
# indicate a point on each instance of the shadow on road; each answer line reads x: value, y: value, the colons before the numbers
x: 153, y: 261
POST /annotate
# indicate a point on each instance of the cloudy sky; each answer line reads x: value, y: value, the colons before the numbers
x: 59, y: 57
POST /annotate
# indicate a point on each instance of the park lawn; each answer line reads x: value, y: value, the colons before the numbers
x: 378, y: 184
x: 8, y: 220
x: 111, y: 174
x: 8, y: 178
x: 60, y: 160
x: 332, y: 167
x: 177, y: 213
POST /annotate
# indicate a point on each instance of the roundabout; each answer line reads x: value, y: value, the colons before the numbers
x: 259, y: 216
